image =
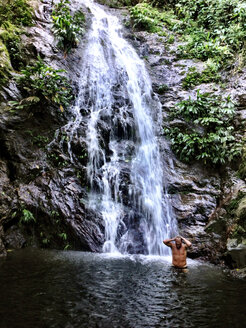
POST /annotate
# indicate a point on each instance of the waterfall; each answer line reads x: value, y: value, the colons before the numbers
x: 116, y: 102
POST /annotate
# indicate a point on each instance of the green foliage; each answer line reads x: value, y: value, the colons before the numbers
x: 200, y: 45
x: 42, y: 83
x: 214, y: 29
x: 27, y: 217
x: 209, y: 74
x: 40, y: 141
x: 211, y: 29
x: 212, y: 14
x: 145, y: 17
x: 57, y: 160
x: 17, y: 12
x: 67, y: 28
x: 67, y: 247
x: 24, y: 103
x: 209, y: 135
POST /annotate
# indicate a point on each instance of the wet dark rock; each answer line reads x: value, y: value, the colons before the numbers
x: 3, y: 252
x: 236, y: 253
x: 14, y: 238
x: 40, y: 178
x: 242, y: 100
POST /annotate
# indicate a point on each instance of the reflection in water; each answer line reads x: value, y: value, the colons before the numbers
x: 74, y: 289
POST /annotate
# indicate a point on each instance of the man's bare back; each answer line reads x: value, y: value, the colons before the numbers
x: 179, y: 250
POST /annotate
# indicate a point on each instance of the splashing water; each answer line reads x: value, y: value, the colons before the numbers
x: 124, y: 167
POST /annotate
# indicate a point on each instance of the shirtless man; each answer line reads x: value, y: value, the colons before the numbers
x: 178, y: 250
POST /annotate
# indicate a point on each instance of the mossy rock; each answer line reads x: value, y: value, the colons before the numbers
x: 216, y: 226
x: 5, y: 64
x: 11, y: 38
x: 241, y: 210
x: 18, y: 12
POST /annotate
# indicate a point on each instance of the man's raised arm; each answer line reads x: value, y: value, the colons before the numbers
x: 167, y: 242
x: 186, y: 241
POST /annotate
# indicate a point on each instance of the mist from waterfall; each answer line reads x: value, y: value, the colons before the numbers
x: 123, y: 118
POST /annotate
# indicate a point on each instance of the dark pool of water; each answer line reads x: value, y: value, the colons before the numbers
x: 72, y: 289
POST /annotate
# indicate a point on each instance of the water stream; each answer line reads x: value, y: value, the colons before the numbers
x: 123, y: 119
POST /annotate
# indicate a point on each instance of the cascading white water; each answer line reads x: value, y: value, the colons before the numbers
x: 124, y: 167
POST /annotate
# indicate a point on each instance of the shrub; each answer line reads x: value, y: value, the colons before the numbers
x: 66, y: 27
x: 209, y: 136
x: 43, y: 83
x: 145, y: 17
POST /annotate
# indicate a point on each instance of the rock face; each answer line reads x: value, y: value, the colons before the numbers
x: 38, y: 177
x: 37, y: 174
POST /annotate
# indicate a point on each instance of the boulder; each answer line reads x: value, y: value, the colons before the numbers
x: 237, y: 253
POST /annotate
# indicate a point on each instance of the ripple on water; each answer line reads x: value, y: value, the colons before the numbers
x: 74, y: 289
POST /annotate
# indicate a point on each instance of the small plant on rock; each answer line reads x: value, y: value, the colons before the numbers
x: 209, y: 74
x: 42, y: 83
x: 27, y: 217
x: 67, y: 28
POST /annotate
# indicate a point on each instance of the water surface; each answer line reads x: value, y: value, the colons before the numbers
x: 41, y: 288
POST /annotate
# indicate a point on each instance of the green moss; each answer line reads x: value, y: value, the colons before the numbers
x: 14, y: 15
x: 11, y: 38
x: 17, y: 12
x: 5, y: 65
x: 241, y: 210
x: 234, y: 203
x: 236, y: 217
